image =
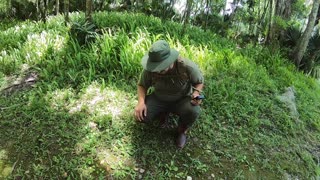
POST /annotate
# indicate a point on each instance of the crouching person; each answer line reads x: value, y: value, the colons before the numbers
x: 177, y: 84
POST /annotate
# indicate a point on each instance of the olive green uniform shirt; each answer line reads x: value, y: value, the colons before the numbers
x: 176, y: 83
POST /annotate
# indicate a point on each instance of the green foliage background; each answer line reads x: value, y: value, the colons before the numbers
x: 76, y: 122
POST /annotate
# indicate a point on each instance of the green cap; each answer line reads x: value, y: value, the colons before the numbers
x: 159, y: 57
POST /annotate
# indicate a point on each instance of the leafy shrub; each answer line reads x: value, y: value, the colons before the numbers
x: 83, y: 31
x: 292, y: 36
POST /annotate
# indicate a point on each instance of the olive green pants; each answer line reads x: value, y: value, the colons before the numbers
x: 187, y: 112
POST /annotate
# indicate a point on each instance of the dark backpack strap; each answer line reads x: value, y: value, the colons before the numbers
x: 182, y: 69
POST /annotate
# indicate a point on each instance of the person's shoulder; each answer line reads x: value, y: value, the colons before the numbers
x: 187, y: 62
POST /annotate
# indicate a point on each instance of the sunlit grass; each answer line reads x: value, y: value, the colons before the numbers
x: 104, y: 108
x: 108, y: 101
x: 37, y: 46
x: 5, y: 167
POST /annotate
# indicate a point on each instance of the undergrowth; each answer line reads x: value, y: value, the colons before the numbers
x: 77, y: 121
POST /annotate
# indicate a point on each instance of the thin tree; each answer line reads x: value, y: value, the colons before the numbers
x: 187, y: 12
x: 263, y: 12
x: 284, y: 11
x: 8, y: 7
x: 251, y: 11
x: 45, y: 10
x: 88, y: 10
x: 270, y: 29
x: 66, y: 11
x: 208, y: 2
x: 279, y: 9
x: 42, y: 6
x: 186, y: 15
x: 57, y: 7
x: 303, y: 41
x: 38, y: 9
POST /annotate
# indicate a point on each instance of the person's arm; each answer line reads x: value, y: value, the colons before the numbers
x: 140, y: 110
x: 196, y: 80
x: 141, y: 94
x: 144, y: 83
x: 197, y: 90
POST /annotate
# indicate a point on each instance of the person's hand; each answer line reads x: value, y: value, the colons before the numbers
x: 194, y: 101
x: 140, y: 111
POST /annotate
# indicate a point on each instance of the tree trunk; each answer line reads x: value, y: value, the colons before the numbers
x: 270, y: 30
x: 284, y: 10
x: 38, y: 9
x: 252, y: 23
x: 187, y: 12
x: 8, y: 7
x: 66, y: 11
x: 88, y: 10
x: 45, y: 10
x: 279, y: 9
x: 207, y: 14
x: 303, y: 41
x: 42, y: 6
x: 265, y: 9
x: 57, y: 6
x: 186, y: 15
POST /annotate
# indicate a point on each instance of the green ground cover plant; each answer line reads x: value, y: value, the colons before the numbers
x: 66, y: 109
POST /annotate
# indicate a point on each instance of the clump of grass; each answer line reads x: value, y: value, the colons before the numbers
x: 77, y: 122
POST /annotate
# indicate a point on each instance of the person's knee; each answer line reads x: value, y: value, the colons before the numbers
x: 149, y: 118
x: 145, y: 120
x: 191, y: 112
